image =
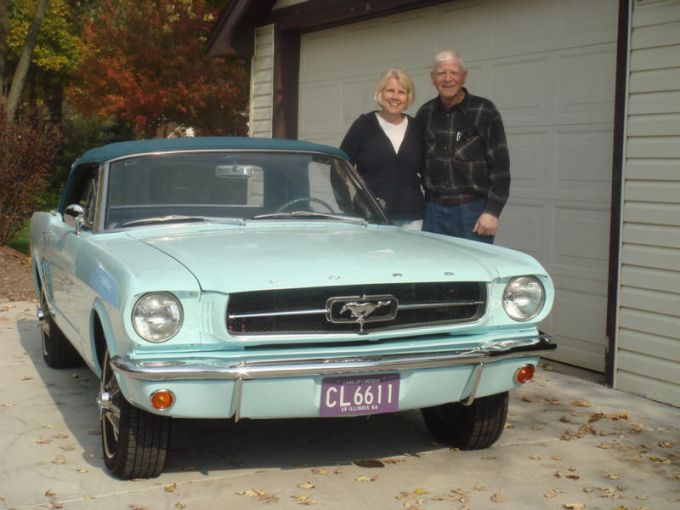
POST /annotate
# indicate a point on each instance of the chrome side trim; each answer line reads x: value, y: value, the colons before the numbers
x: 199, y: 368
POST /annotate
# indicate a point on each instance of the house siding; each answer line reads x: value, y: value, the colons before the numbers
x: 262, y: 83
x: 648, y: 327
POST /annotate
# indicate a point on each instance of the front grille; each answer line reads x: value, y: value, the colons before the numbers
x: 303, y: 311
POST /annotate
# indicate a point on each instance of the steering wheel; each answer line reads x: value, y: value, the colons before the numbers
x: 309, y: 200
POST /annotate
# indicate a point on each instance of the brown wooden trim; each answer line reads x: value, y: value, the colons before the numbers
x: 617, y: 191
x: 318, y: 14
x: 286, y: 84
x: 233, y: 33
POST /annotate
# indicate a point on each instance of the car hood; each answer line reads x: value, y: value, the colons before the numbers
x: 285, y: 256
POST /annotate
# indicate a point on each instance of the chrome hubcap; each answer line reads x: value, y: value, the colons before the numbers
x: 109, y: 412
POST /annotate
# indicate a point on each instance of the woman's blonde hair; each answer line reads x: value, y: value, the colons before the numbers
x: 402, y: 78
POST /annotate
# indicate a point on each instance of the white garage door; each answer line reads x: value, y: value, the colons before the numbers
x: 549, y: 66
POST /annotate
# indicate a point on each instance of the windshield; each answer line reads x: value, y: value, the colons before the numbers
x: 235, y: 186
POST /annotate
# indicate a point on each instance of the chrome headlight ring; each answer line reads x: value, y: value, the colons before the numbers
x: 523, y: 298
x: 157, y: 316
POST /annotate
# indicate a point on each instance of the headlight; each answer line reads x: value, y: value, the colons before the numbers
x: 157, y: 316
x: 523, y: 298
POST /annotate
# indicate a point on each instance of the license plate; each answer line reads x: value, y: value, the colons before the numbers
x: 367, y: 394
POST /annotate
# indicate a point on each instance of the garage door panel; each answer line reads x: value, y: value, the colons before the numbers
x: 318, y: 114
x: 319, y: 56
x: 356, y: 96
x: 584, y: 162
x: 360, y: 46
x: 520, y: 89
x: 581, y: 317
x: 411, y: 43
x: 529, y: 156
x: 523, y: 228
x: 585, y: 85
x: 587, y: 21
x: 513, y: 28
x: 465, y: 26
x: 579, y: 241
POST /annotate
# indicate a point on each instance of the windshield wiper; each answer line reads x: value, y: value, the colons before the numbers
x: 309, y: 214
x: 173, y: 218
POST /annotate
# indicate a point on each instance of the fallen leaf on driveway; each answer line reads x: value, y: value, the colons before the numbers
x: 666, y: 444
x: 458, y: 495
x: 574, y: 506
x: 570, y: 476
x: 171, y: 487
x: 49, y: 493
x: 304, y: 500
x: 258, y: 494
x: 498, y: 497
x: 43, y: 440
x: 611, y: 416
x: 409, y: 495
x: 308, y: 486
x: 660, y: 460
x: 612, y: 476
x: 580, y: 403
x: 59, y: 459
x: 364, y: 478
x: 320, y: 471
x: 552, y: 493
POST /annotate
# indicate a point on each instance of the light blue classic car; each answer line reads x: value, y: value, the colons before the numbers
x: 250, y: 278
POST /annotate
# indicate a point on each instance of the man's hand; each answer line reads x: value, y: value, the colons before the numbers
x: 486, y: 225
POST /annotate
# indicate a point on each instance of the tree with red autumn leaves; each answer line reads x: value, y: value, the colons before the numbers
x: 145, y: 64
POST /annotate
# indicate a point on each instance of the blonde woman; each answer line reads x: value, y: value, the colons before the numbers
x: 387, y: 148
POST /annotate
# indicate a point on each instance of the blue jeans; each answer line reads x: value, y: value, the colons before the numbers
x: 455, y: 220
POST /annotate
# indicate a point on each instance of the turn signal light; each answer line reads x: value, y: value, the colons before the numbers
x: 162, y: 399
x: 525, y: 373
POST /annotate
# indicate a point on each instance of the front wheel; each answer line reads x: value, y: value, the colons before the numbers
x: 472, y: 427
x: 134, y: 441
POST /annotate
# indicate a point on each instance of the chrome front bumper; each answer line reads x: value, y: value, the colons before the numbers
x: 215, y: 368
x: 219, y: 368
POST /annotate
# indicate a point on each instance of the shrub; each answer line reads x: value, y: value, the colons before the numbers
x: 27, y: 152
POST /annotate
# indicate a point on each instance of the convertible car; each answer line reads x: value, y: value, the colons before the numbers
x: 234, y: 278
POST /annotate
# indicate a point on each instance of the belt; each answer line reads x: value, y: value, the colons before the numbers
x: 442, y: 200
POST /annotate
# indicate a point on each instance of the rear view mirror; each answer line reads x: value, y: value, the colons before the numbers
x: 74, y: 216
x: 227, y: 171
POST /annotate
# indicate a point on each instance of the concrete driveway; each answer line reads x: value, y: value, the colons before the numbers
x: 570, y: 443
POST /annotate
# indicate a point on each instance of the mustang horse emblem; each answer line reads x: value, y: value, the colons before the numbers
x: 359, y: 310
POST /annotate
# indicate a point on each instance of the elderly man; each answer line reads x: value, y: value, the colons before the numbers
x: 466, y: 171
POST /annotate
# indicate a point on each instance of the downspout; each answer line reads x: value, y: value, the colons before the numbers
x: 618, y: 162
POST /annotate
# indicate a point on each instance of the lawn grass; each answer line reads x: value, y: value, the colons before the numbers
x: 20, y: 242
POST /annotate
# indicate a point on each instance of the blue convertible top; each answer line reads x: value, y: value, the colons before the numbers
x: 121, y: 149
x: 111, y: 151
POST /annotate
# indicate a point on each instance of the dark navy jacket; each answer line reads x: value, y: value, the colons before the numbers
x: 394, y: 177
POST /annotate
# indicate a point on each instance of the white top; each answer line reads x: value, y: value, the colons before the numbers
x: 395, y: 132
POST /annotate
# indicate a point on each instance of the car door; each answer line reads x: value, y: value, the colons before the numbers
x: 69, y: 296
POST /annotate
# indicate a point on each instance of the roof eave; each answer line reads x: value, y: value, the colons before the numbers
x: 233, y: 33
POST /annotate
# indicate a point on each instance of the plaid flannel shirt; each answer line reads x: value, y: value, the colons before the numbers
x: 466, y: 152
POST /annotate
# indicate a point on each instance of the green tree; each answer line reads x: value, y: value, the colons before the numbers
x: 39, y: 49
x: 145, y: 63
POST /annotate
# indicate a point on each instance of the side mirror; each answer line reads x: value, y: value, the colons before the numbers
x: 74, y: 216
